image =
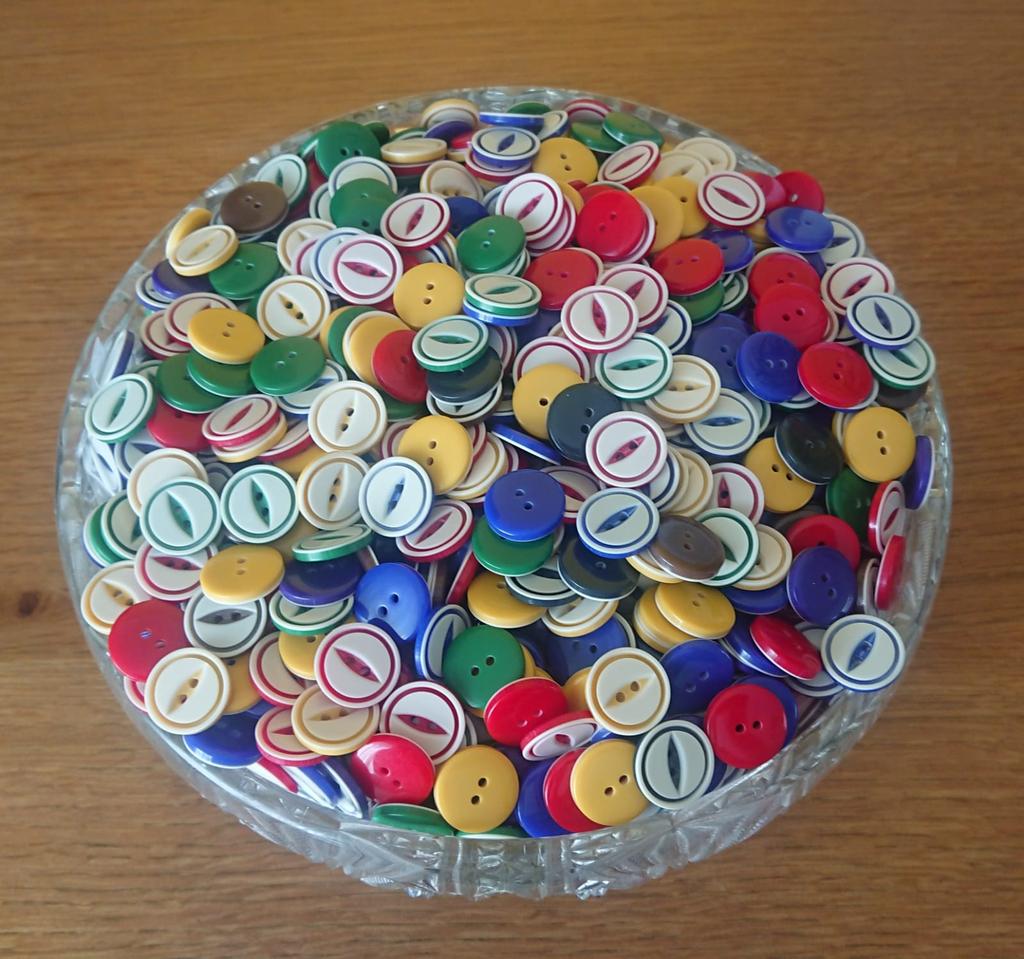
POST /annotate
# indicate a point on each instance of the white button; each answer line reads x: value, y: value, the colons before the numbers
x: 357, y: 665
x: 347, y: 418
x: 429, y: 715
x: 292, y: 306
x: 187, y: 691
x: 204, y: 250
x: 395, y: 496
x: 328, y: 490
x: 627, y: 691
x: 109, y: 593
x: 270, y: 676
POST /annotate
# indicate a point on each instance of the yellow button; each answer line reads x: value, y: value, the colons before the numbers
x: 302, y: 528
x: 644, y: 563
x: 529, y: 663
x: 442, y: 447
x: 649, y: 620
x: 603, y: 783
x: 575, y: 690
x: 784, y: 491
x: 476, y: 789
x: 757, y: 232
x: 325, y: 727
x: 685, y: 192
x: 225, y: 336
x: 240, y: 574
x: 879, y: 444
x: 298, y: 652
x: 325, y: 329
x: 542, y: 673
x: 243, y: 694
x: 534, y: 393
x: 667, y: 212
x: 294, y: 465
x: 361, y: 339
x: 696, y: 609
x: 427, y: 293
x: 414, y: 150
x: 564, y: 159
x: 572, y: 195
x: 188, y: 222
x: 490, y: 601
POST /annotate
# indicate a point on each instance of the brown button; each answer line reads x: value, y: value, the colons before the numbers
x: 254, y: 207
x: 687, y: 548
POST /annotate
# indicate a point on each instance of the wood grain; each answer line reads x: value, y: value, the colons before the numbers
x: 115, y: 114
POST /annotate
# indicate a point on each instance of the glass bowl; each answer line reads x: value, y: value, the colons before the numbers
x: 423, y: 865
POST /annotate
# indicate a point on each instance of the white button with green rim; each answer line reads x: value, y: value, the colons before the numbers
x: 119, y: 524
x: 121, y: 408
x: 362, y: 168
x: 225, y: 631
x: 904, y: 369
x: 290, y: 617
x: 332, y: 544
x: 638, y: 370
x: 181, y: 517
x: 449, y: 344
x: 740, y: 540
x: 259, y: 504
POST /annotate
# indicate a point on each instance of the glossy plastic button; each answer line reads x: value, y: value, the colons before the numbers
x: 746, y: 725
x: 476, y: 790
x: 603, y: 784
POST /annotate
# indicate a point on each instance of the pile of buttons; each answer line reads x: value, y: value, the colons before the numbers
x: 516, y: 474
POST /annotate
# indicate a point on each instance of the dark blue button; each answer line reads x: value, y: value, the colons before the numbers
x: 918, y: 479
x: 322, y: 583
x: 496, y: 319
x: 594, y: 576
x: 758, y: 602
x: 697, y: 672
x: 574, y: 413
x: 525, y: 505
x: 447, y: 130
x: 797, y: 228
x: 569, y: 655
x: 465, y: 212
x: 351, y: 799
x: 230, y: 742
x: 170, y: 284
x: 395, y: 597
x: 531, y: 810
x: 786, y: 697
x: 767, y: 365
x: 739, y: 642
x: 461, y: 386
x: 719, y: 343
x: 737, y: 248
x: 316, y: 784
x: 527, y: 443
x: 821, y: 585
x: 539, y: 325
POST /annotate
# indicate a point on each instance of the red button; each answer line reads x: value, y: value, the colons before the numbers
x: 143, y: 634
x: 171, y: 427
x: 558, y: 799
x: 746, y: 725
x: 561, y: 273
x: 890, y: 572
x: 392, y: 769
x: 316, y: 178
x: 792, y: 311
x: 690, y: 266
x: 612, y: 225
x: 802, y: 190
x: 778, y: 268
x: 774, y: 194
x: 590, y: 190
x: 785, y: 646
x: 835, y: 375
x: 825, y: 531
x: 396, y: 368
x: 518, y: 708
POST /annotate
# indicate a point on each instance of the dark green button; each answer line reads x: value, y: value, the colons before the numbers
x: 336, y: 334
x: 591, y: 135
x: 595, y: 576
x: 287, y: 365
x: 98, y: 543
x: 479, y: 661
x: 379, y: 130
x: 253, y: 267
x: 849, y: 498
x: 179, y: 389
x: 361, y: 203
x: 461, y: 386
x: 809, y: 449
x: 702, y: 306
x: 490, y: 244
x: 399, y: 815
x: 341, y: 141
x: 529, y: 108
x: 224, y: 379
x: 505, y: 557
x: 397, y: 410
x: 629, y: 128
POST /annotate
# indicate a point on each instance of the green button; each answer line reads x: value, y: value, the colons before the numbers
x: 529, y: 108
x: 703, y: 306
x: 399, y: 815
x: 379, y: 130
x: 409, y: 133
x: 244, y: 276
x: 97, y: 542
x: 591, y: 135
x: 224, y: 379
x: 287, y: 365
x: 336, y: 334
x: 179, y: 389
x: 506, y: 558
x: 629, y: 128
x: 361, y: 203
x: 490, y: 244
x: 479, y: 661
x: 341, y: 141
x: 849, y: 497
x: 397, y: 410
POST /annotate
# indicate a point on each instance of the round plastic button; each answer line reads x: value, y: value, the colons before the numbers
x: 603, y: 784
x: 808, y: 449
x: 688, y: 549
x: 690, y: 266
x: 524, y: 506
x: 574, y: 412
x: 241, y: 574
x: 879, y: 444
x: 821, y: 585
x: 187, y: 691
x: 863, y: 653
x: 396, y: 370
x: 392, y: 769
x: 476, y: 790
x: 793, y: 311
x: 746, y: 725
x: 696, y: 609
x: 835, y: 375
x: 626, y: 449
x: 784, y: 491
x: 558, y: 795
x: 442, y: 447
x: 516, y: 709
x: 617, y: 523
x: 627, y: 691
x: 697, y: 672
x: 535, y: 393
x: 674, y: 764
x: 785, y: 646
x: 479, y: 661
x: 428, y: 714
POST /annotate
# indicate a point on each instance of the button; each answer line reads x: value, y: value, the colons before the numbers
x: 224, y: 630
x: 774, y: 558
x: 287, y: 365
x: 413, y: 818
x: 393, y: 596
x: 579, y: 616
x: 821, y: 585
x: 392, y: 769
x: 187, y: 691
x: 879, y: 444
x: 736, y: 487
x: 490, y: 601
x: 746, y: 725
x: 241, y: 574
x: 259, y: 504
x: 801, y: 189
x: 835, y: 375
x: 442, y: 447
x: 767, y: 365
x: 565, y: 160
x: 468, y: 383
x: 697, y: 671
x: 229, y: 743
x: 863, y: 653
x: 692, y: 391
x: 449, y: 344
x: 357, y: 665
x: 684, y: 190
x: 190, y: 221
x: 731, y: 199
x: 361, y: 204
x: 599, y: 319
x: 254, y: 207
x: 800, y: 229
x: 543, y: 587
x: 332, y: 544
x: 569, y: 655
x: 251, y: 268
x: 120, y: 408
x: 479, y: 661
x: 739, y: 539
x: 909, y: 368
x: 268, y: 673
x: 225, y: 336
x: 476, y: 790
x: 613, y: 224
x: 278, y: 743
x: 640, y: 369
x: 428, y: 292
x: 729, y: 428
x: 445, y: 530
x: 516, y: 709
x: 627, y: 691
x: 687, y: 549
x: 794, y: 311
x: 890, y: 572
x: 365, y: 270
x: 531, y: 812
x: 490, y: 244
x: 626, y: 449
x: 785, y: 646
x: 558, y: 735
x: 427, y: 714
x: 828, y: 531
x: 808, y: 449
x: 667, y: 211
x: 143, y: 633
x: 573, y: 414
x: 327, y: 728
x: 592, y: 576
x: 395, y: 496
x: 342, y: 140
x: 348, y: 417
x: 690, y: 266
x: 507, y: 557
x: 396, y: 370
x: 674, y: 764
x: 524, y: 506
x: 298, y: 653
x: 784, y: 491
x: 603, y: 784
x: 560, y: 273
x: 917, y: 482
x: 859, y: 274
x: 535, y: 393
x: 887, y: 515
x: 617, y: 523
x: 558, y: 800
x: 696, y: 609
x: 719, y: 342
x: 203, y: 250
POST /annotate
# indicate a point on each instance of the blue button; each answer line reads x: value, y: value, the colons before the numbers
x: 767, y: 365
x: 821, y: 585
x: 697, y: 672
x: 786, y: 697
x: 918, y: 479
x: 170, y: 284
x: 527, y: 443
x: 739, y: 642
x: 737, y: 248
x: 322, y: 583
x: 352, y: 800
x: 316, y: 784
x: 574, y: 413
x: 569, y: 655
x: 719, y: 342
x: 759, y: 602
x: 531, y: 811
x: 797, y: 228
x: 465, y: 212
x: 230, y: 742
x: 525, y: 505
x: 394, y: 597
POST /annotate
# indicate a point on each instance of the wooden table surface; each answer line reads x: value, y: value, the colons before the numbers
x: 115, y: 114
